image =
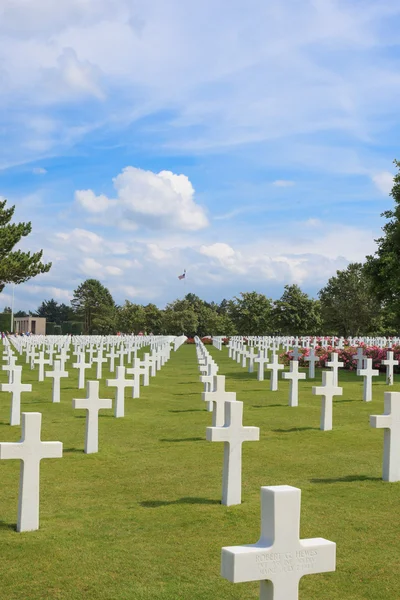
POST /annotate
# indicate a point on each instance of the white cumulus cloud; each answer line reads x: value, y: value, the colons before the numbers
x: 154, y: 200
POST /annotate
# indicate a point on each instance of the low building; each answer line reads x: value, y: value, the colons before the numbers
x: 34, y: 325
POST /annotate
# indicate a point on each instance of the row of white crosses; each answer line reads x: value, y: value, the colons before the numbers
x: 30, y: 450
x: 227, y: 427
x: 279, y: 559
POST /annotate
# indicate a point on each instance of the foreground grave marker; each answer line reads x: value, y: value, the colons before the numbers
x: 16, y: 387
x: 294, y: 375
x: 390, y: 422
x: 30, y: 450
x: 218, y: 397
x: 279, y: 559
x: 233, y: 434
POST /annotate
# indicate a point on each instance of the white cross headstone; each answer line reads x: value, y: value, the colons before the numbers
x: 218, y: 397
x: 390, y: 362
x: 335, y: 366
x: 280, y: 558
x: 294, y: 376
x: 390, y: 422
x: 41, y: 361
x: 120, y: 383
x: 16, y: 387
x: 262, y: 359
x: 360, y: 358
x: 312, y: 359
x: 368, y: 373
x: 56, y: 375
x: 136, y: 372
x: 92, y: 404
x: 274, y: 367
x: 81, y: 365
x: 233, y: 434
x: 30, y: 450
x: 112, y: 356
x: 99, y: 360
x: 327, y: 391
x: 10, y: 367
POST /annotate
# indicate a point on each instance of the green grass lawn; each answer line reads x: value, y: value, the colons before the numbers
x: 142, y: 519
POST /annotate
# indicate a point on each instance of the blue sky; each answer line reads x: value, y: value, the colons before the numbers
x: 250, y: 143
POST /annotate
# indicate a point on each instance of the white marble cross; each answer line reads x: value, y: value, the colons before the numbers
x: 99, y: 360
x: 360, y: 358
x: 251, y: 356
x: 274, y: 367
x: 112, y: 356
x: 41, y: 361
x: 335, y: 366
x: 296, y: 353
x: 81, y: 365
x: 312, y: 359
x: 280, y: 558
x: 218, y: 397
x: 390, y: 362
x: 233, y: 434
x: 327, y: 391
x: 390, y: 422
x: 30, y: 450
x: 368, y: 373
x: 16, y: 388
x: 56, y: 375
x: 294, y: 376
x: 92, y: 404
x: 10, y: 367
x: 120, y: 383
x: 136, y: 372
x: 262, y: 359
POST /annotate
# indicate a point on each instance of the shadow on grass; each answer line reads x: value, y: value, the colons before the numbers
x: 267, y: 405
x: 190, y: 439
x: 159, y: 503
x: 188, y: 410
x: 239, y: 375
x: 347, y: 479
x: 69, y: 450
x: 293, y: 429
x: 9, y: 526
x: 187, y: 394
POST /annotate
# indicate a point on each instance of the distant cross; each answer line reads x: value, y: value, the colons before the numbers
x: 280, y: 558
x: 360, y: 358
x: 274, y: 367
x: 10, y: 367
x: 368, y: 373
x: 30, y: 450
x: 312, y: 359
x: 147, y: 360
x: 121, y: 353
x: 99, y: 360
x: 56, y: 375
x: 296, y: 353
x: 63, y: 356
x: 390, y: 422
x: 390, y: 362
x: 294, y: 376
x: 327, y: 391
x: 262, y: 359
x: 112, y: 356
x: 92, y: 404
x: 233, y: 434
x: 41, y: 361
x: 81, y: 365
x: 251, y: 356
x: 120, y: 383
x: 335, y: 366
x: 218, y: 397
x: 135, y: 371
x: 16, y: 388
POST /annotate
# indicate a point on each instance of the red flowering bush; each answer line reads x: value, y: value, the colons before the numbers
x: 347, y: 355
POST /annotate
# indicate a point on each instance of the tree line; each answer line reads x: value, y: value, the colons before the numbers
x: 361, y: 299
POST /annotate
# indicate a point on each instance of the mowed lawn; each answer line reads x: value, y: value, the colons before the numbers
x: 142, y: 519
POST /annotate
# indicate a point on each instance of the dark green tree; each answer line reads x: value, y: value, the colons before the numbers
x: 348, y: 306
x: 93, y: 302
x: 180, y: 318
x: 383, y: 267
x: 131, y: 318
x: 7, y: 310
x: 55, y: 312
x: 154, y: 319
x: 295, y: 313
x: 16, y: 266
x: 251, y: 314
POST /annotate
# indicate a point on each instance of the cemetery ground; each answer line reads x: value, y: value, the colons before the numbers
x: 142, y: 519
